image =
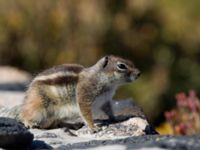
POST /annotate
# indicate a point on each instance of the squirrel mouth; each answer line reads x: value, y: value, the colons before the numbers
x: 132, y: 77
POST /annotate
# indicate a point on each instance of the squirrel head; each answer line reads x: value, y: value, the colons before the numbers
x: 118, y: 69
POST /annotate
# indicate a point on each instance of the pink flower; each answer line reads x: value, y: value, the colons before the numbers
x: 192, y: 94
x: 181, y: 100
x: 183, y: 128
x: 185, y: 117
x: 191, y: 104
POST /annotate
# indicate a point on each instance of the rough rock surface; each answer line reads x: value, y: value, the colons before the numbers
x: 147, y: 142
x: 13, y: 134
x: 61, y: 140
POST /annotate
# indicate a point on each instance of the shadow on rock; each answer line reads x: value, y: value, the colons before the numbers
x: 21, y: 87
x: 37, y: 144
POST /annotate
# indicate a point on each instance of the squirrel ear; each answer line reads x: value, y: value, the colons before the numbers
x: 105, y: 61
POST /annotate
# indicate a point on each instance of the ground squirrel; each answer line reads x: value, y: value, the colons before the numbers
x: 69, y: 91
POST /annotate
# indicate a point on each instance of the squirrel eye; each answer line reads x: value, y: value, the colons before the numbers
x: 121, y: 66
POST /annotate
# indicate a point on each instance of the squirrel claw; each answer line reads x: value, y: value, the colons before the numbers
x: 95, y: 129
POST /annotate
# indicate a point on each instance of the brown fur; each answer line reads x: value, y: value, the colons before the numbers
x: 65, y: 67
x: 60, y: 80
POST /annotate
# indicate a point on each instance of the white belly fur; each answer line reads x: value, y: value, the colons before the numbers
x: 67, y: 112
x: 100, y: 100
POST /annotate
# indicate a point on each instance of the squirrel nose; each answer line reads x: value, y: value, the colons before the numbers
x: 137, y: 73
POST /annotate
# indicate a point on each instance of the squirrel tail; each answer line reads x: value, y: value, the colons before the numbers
x: 10, y: 112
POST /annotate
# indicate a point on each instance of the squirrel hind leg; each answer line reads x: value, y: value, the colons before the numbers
x: 35, y: 119
x: 33, y: 114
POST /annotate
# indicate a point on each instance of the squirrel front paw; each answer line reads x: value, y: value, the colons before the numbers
x: 85, y: 131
